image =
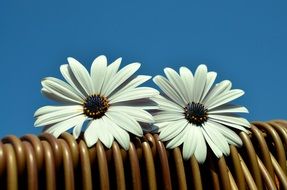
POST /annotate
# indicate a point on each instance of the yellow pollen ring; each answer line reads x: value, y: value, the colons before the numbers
x: 95, y: 106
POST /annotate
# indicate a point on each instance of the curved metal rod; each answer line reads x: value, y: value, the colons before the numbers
x: 152, y: 144
x: 232, y: 181
x: 102, y: 166
x: 179, y: 167
x: 56, y: 148
x: 135, y: 167
x: 163, y: 161
x: 19, y: 151
x: 119, y: 168
x: 266, y: 176
x: 68, y: 165
x: 85, y: 166
x: 279, y: 172
x: 249, y: 179
x: 264, y: 151
x: 2, y: 160
x: 279, y: 148
x: 150, y: 168
x: 253, y: 164
x: 37, y: 147
x: 223, y: 173
x: 11, y: 161
x: 283, y: 123
x: 237, y: 169
x: 195, y: 171
x: 281, y: 131
x: 50, y: 172
x: 31, y: 164
x: 213, y: 173
x: 73, y: 146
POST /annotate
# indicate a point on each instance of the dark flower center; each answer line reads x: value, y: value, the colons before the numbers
x: 195, y: 113
x: 95, y: 106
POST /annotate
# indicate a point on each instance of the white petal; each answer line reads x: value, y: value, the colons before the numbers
x: 167, y: 105
x: 138, y: 80
x: 137, y: 113
x: 55, y: 120
x: 188, y: 81
x: 167, y: 89
x: 199, y: 82
x: 228, y: 124
x: 104, y: 133
x: 78, y: 120
x: 190, y: 142
x: 177, y: 83
x: 56, y: 98
x: 201, y: 149
x: 81, y: 74
x: 131, y: 84
x: 69, y: 123
x: 120, y: 135
x: 66, y: 86
x: 210, y: 78
x: 57, y: 116
x: 211, y: 144
x: 216, y: 137
x: 231, y: 136
x: 121, y: 77
x: 145, y: 103
x: 216, y: 90
x: 126, y: 122
x: 61, y: 89
x: 168, y: 116
x: 172, y: 130
x: 133, y: 94
x: 110, y: 73
x: 63, y: 126
x: 228, y: 108
x: 77, y: 129
x: 162, y: 125
x: 48, y: 109
x: 71, y: 79
x: 53, y: 95
x: 225, y: 98
x: 231, y: 119
x: 177, y: 140
x: 91, y: 133
x: 98, y: 72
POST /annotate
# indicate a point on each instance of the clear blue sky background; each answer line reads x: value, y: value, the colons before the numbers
x: 244, y: 41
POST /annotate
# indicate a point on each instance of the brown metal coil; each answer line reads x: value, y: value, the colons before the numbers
x: 45, y: 162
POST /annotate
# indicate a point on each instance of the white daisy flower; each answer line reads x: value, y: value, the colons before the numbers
x: 194, y: 112
x: 110, y: 100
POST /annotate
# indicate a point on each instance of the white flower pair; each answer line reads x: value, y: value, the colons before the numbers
x: 191, y: 111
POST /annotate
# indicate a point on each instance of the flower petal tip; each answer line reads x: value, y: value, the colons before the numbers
x: 202, y: 67
x: 137, y: 65
x: 100, y: 59
x: 36, y: 124
x: 71, y: 59
x: 156, y: 78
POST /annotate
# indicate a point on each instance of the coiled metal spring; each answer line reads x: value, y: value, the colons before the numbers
x: 44, y: 162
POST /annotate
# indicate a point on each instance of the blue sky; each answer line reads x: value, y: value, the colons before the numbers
x: 242, y: 41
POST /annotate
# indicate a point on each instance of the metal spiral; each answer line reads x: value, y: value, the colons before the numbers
x: 44, y: 162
